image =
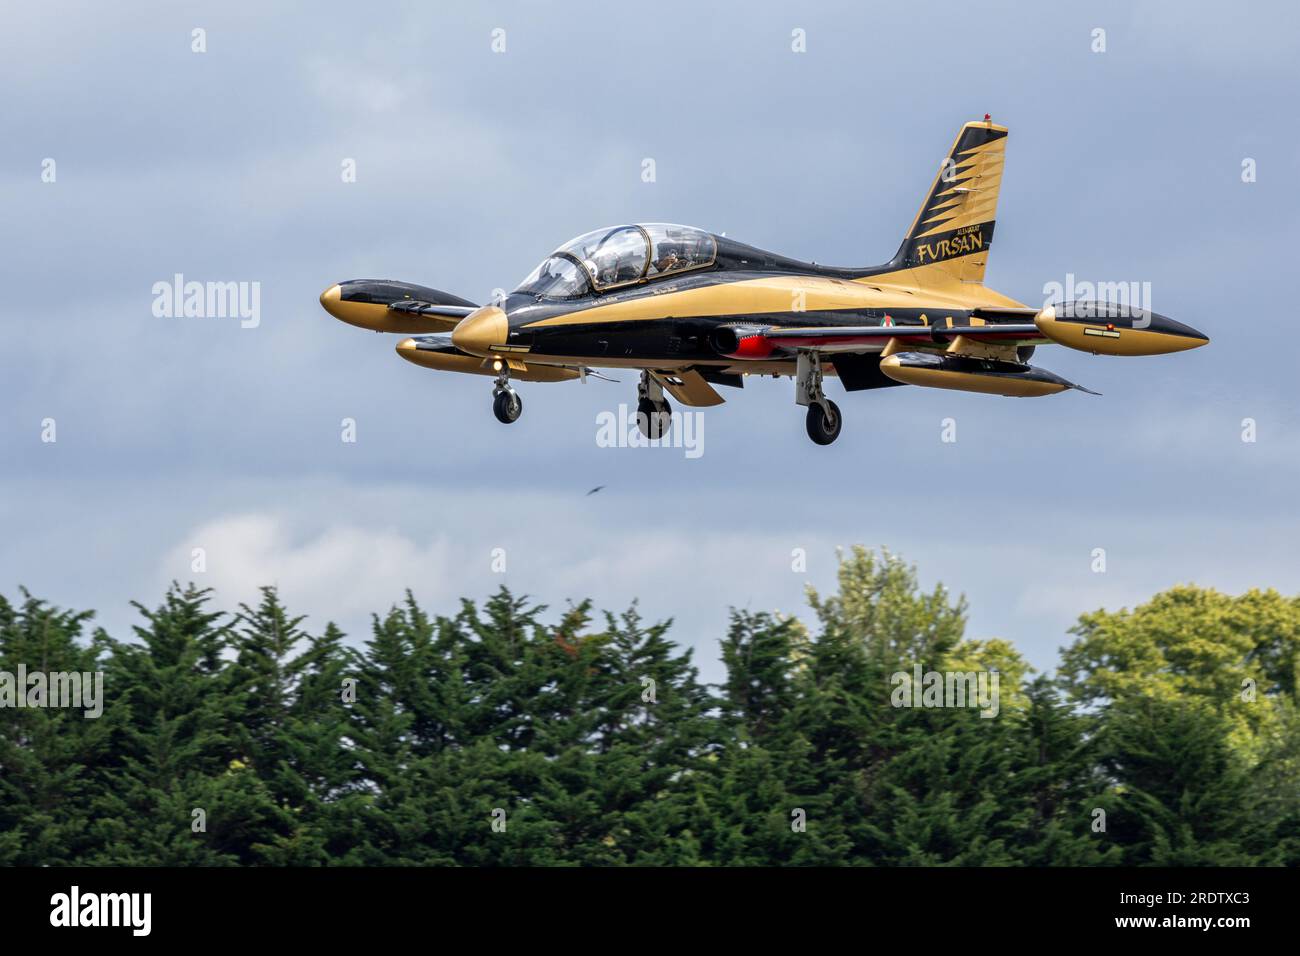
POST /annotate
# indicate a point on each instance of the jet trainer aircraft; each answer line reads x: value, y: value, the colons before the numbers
x: 693, y: 310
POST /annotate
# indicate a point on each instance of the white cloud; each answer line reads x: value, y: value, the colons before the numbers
x: 338, y: 571
x: 398, y: 537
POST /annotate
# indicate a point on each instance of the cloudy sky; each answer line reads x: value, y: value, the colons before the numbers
x: 177, y: 433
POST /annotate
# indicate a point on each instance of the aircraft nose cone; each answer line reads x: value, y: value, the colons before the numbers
x: 480, y: 330
x: 330, y: 299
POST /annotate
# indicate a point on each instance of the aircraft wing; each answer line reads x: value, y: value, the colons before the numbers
x: 850, y: 338
x: 998, y: 326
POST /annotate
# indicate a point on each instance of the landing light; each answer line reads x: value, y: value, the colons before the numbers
x: 496, y: 366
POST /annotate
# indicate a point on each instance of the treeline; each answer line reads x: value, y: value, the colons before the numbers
x: 1168, y: 736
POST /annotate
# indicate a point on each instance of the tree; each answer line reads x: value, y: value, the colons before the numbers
x: 1215, y: 675
x: 1236, y: 656
x: 1180, y: 795
x: 176, y: 790
x: 46, y: 753
x: 293, y: 729
x: 500, y: 735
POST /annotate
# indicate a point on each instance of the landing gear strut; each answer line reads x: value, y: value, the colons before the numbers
x: 653, y: 413
x: 507, y: 406
x: 824, y: 419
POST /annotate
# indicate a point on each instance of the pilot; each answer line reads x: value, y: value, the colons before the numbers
x: 606, y: 269
x: 668, y: 260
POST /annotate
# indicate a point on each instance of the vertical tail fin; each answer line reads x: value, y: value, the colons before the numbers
x: 953, y: 230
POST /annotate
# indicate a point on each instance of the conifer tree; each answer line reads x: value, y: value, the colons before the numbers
x: 179, y: 791
x: 1181, y: 795
x: 47, y: 754
x: 502, y: 735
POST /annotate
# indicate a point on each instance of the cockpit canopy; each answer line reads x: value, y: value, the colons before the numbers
x: 618, y: 256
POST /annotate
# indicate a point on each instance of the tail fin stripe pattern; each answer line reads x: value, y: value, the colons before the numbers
x: 950, y: 237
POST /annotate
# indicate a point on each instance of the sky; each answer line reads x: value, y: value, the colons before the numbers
x: 472, y: 163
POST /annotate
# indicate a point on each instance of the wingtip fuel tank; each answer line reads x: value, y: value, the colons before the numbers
x: 1107, y: 329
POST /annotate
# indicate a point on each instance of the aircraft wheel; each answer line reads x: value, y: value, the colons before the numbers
x: 653, y: 419
x: 507, y: 406
x: 824, y: 423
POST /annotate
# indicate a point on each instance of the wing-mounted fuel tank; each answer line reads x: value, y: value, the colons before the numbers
x: 1105, y: 328
x: 439, y: 352
x: 966, y: 374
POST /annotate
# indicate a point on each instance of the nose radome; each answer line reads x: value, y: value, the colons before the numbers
x: 330, y: 298
x: 480, y: 330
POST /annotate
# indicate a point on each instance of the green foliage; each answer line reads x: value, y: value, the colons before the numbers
x: 501, y: 735
x: 1234, y: 656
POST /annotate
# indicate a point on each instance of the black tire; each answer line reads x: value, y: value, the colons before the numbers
x: 824, y: 428
x: 507, y: 406
x: 653, y: 419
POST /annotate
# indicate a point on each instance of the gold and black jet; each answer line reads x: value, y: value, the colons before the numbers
x: 693, y: 310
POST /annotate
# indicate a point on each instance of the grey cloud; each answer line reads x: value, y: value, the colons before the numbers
x: 225, y: 166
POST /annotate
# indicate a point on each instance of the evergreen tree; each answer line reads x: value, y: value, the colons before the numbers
x: 768, y: 801
x: 177, y: 790
x: 1059, y: 784
x: 1181, y: 795
x: 294, y: 727
x: 498, y: 735
x: 47, y: 753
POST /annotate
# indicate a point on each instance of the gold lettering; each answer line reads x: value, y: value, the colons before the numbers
x: 967, y: 239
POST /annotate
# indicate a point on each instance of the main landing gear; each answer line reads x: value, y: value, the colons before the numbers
x: 824, y: 419
x: 507, y: 406
x: 653, y: 413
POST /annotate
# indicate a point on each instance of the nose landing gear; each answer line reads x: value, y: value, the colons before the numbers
x: 507, y: 405
x: 824, y: 419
